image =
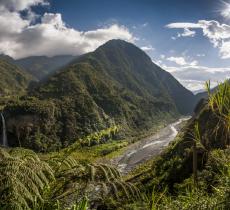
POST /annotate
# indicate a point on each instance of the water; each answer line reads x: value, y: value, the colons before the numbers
x: 4, y: 135
x: 144, y: 150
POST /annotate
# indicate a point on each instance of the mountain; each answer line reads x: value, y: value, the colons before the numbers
x: 132, y: 68
x: 184, y: 99
x: 117, y: 83
x: 41, y: 66
x: 14, y: 80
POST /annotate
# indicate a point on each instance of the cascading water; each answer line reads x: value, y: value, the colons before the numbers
x: 4, y: 135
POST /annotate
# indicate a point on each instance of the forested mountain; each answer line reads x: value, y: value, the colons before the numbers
x: 42, y: 66
x: 14, y: 80
x: 117, y: 83
x: 131, y: 69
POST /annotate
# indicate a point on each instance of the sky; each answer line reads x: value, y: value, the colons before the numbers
x: 189, y: 39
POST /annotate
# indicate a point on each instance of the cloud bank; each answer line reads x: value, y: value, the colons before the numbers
x: 19, y: 37
x: 182, y: 61
x: 194, y: 77
x: 218, y: 34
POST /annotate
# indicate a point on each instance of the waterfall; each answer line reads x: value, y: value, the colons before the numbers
x: 4, y: 135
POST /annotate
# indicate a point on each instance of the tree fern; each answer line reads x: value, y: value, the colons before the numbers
x: 22, y: 178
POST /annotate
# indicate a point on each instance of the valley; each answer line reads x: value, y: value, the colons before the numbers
x: 109, y: 130
x: 146, y: 149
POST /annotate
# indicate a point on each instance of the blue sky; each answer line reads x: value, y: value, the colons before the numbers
x: 190, y: 39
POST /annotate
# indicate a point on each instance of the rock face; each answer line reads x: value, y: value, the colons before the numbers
x: 117, y: 83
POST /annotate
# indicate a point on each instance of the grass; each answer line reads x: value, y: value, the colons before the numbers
x: 90, y: 154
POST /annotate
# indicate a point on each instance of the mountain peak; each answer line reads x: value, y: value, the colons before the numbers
x: 119, y: 43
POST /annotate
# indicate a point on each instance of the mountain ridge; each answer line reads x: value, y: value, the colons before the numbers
x: 14, y: 80
x: 42, y: 67
x: 115, y: 84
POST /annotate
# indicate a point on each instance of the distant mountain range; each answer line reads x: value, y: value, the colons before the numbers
x: 41, y: 66
x: 117, y: 83
x: 13, y: 80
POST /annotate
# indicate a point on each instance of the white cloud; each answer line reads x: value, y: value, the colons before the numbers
x: 215, y: 31
x: 19, y: 5
x: 148, y: 48
x: 194, y: 77
x: 225, y: 12
x: 145, y: 24
x: 218, y: 34
x: 200, y: 55
x: 181, y: 61
x: 21, y: 38
x: 187, y: 33
x: 11, y: 23
x: 178, y: 60
x: 225, y: 50
x: 183, y: 25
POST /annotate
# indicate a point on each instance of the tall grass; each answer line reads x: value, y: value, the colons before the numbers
x: 219, y: 102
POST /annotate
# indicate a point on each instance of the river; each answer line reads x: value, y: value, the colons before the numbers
x: 145, y: 149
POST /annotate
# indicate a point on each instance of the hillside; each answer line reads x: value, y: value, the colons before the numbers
x: 41, y: 66
x: 209, y: 130
x: 14, y: 80
x: 116, y: 84
x: 145, y: 73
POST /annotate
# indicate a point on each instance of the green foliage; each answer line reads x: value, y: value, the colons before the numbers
x: 173, y: 169
x: 116, y: 84
x: 213, y: 192
x: 99, y: 137
x: 23, y: 177
x: 14, y: 81
x: 41, y: 66
x: 33, y: 124
x: 219, y: 102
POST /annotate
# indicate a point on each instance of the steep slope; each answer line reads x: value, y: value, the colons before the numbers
x: 41, y: 66
x: 209, y: 129
x: 13, y: 80
x: 117, y: 83
x: 145, y: 72
x: 182, y: 97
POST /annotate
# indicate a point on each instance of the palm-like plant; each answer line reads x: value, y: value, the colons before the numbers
x: 95, y: 180
x: 23, y: 176
x: 99, y: 137
x: 219, y: 102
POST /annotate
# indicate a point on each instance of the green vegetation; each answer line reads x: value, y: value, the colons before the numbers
x: 87, y: 113
x: 14, y: 80
x: 172, y: 174
x: 116, y: 84
x: 41, y: 66
x: 59, y: 181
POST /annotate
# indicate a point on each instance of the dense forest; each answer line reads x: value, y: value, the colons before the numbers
x: 58, y: 134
